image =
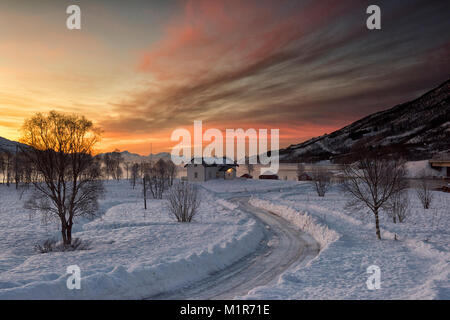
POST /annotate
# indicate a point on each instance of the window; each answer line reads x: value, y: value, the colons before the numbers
x: 195, y: 175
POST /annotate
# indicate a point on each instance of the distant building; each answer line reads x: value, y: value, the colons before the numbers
x: 268, y: 177
x: 206, y: 170
x: 304, y: 177
x: 441, y: 161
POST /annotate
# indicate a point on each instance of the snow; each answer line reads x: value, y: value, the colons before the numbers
x: 390, y: 139
x: 243, y: 185
x: 134, y: 253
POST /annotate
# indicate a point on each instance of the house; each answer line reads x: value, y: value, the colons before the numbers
x: 211, y: 169
x: 441, y: 161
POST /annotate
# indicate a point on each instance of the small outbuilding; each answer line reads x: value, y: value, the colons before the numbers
x: 268, y: 177
x: 304, y: 177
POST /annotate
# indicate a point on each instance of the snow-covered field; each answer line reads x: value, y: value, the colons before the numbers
x: 134, y: 253
x: 137, y: 254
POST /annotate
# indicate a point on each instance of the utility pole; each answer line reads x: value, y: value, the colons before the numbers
x: 145, y: 194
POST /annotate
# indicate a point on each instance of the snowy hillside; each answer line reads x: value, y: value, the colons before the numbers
x: 8, y: 145
x: 414, y: 130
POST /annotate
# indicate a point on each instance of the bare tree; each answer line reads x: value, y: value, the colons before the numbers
x: 117, y: 164
x: 112, y: 164
x: 300, y: 170
x: 397, y: 206
x: 372, y: 181
x: 156, y: 178
x: 424, y: 192
x: 250, y: 168
x: 184, y: 201
x: 127, y: 166
x: 321, y: 179
x: 135, y: 169
x: 2, y: 165
x: 16, y: 167
x: 171, y: 172
x: 7, y: 167
x: 61, y: 153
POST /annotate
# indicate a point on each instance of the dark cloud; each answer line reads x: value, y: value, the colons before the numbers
x: 306, y: 63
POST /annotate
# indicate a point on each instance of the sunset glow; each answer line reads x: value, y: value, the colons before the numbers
x: 140, y: 69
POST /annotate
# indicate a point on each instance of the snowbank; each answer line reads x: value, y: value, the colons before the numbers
x: 322, y: 234
x: 135, y: 280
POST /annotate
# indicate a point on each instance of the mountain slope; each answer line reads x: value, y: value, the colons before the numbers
x: 9, y: 146
x: 134, y: 157
x: 414, y: 130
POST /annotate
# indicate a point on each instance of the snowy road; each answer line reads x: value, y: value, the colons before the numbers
x: 283, y: 246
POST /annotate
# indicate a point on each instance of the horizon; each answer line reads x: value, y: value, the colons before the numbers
x: 307, y: 68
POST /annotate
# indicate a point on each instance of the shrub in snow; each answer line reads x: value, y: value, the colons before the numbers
x: 424, y: 192
x: 183, y: 201
x: 52, y: 245
x: 47, y: 246
x: 321, y: 178
x: 397, y: 206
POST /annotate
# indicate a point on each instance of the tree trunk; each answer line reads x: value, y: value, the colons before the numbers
x: 69, y: 234
x: 377, y: 224
x: 66, y: 233
x: 63, y: 234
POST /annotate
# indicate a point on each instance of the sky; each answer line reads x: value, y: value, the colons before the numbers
x: 141, y: 69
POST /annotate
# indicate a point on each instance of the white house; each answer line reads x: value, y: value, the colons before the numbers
x: 207, y: 170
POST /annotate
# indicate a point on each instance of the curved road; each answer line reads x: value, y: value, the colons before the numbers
x: 283, y: 246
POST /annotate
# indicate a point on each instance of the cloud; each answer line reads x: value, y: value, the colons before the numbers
x: 283, y: 64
